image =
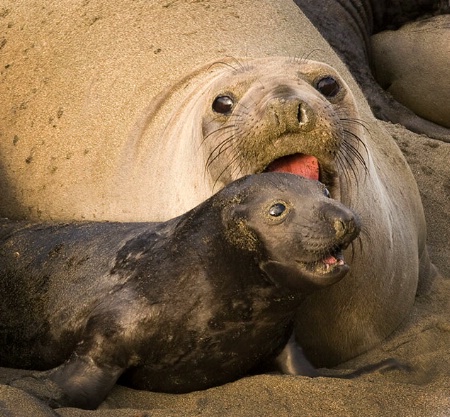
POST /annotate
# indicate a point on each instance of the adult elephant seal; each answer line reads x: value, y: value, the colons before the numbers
x: 112, y: 118
x: 412, y: 63
x: 178, y: 306
x: 348, y: 24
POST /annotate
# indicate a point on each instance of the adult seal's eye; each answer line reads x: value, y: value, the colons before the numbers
x: 277, y: 209
x: 328, y: 86
x: 223, y: 104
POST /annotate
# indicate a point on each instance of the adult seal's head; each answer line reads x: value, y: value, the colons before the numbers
x: 244, y: 116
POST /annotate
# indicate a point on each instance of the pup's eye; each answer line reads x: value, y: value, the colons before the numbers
x: 277, y: 209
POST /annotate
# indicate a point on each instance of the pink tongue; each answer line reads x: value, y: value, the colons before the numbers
x: 304, y: 165
x: 331, y: 260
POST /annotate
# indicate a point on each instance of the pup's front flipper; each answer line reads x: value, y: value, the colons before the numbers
x: 79, y: 382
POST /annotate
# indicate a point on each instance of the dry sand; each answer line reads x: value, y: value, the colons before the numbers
x: 423, y: 342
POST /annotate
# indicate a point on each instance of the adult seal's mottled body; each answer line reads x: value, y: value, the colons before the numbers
x: 111, y: 118
x: 348, y: 24
x: 178, y: 306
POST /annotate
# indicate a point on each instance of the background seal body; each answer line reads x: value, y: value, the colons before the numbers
x: 178, y: 306
x: 412, y: 62
x: 106, y: 121
x: 348, y: 25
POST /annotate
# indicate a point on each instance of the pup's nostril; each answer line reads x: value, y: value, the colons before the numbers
x: 340, y: 228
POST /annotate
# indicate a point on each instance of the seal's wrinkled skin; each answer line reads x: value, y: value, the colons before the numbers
x: 178, y: 306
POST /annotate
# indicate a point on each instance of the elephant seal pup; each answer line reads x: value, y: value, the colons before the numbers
x: 348, y: 24
x: 183, y: 305
x: 411, y: 63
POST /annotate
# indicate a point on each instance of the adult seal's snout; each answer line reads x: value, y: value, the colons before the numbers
x: 291, y: 111
x: 292, y: 114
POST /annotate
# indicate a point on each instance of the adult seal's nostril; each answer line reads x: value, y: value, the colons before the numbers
x: 301, y: 114
x: 305, y: 116
x: 292, y: 114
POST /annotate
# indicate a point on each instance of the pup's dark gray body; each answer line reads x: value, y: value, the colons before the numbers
x: 183, y: 305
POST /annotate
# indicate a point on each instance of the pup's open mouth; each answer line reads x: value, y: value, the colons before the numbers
x: 331, y: 261
x: 328, y: 264
x: 305, y: 276
x: 326, y: 270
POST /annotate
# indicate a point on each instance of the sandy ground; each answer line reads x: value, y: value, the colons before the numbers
x: 423, y: 342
